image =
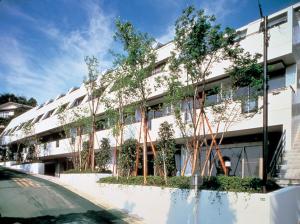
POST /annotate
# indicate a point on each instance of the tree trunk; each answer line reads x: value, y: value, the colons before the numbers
x: 145, y: 156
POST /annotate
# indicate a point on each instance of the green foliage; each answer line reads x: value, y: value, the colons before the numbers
x: 103, y: 157
x: 9, y: 97
x: 166, y: 148
x: 246, y: 71
x: 238, y: 184
x: 138, y: 62
x: 200, y: 42
x: 85, y: 171
x: 219, y: 183
x: 127, y: 157
x: 174, y: 182
x: 4, y: 121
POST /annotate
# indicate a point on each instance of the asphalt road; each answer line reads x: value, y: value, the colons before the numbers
x: 28, y: 199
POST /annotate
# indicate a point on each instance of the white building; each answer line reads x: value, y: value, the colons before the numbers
x: 10, y: 109
x: 243, y: 141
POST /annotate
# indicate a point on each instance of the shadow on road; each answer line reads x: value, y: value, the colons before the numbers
x: 6, y: 174
x: 84, y: 218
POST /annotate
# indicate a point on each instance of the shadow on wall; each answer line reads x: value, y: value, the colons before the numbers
x: 204, y: 207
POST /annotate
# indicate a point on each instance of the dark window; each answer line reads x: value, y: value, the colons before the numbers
x: 276, y: 21
x: 159, y: 68
x: 167, y: 110
x: 49, y: 114
x: 78, y: 101
x: 277, y: 79
x: 240, y: 35
x: 155, y: 111
x: 57, y: 143
x: 241, y: 93
x: 249, y: 100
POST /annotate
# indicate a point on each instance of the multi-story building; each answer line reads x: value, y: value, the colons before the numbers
x: 11, y: 109
x: 243, y: 140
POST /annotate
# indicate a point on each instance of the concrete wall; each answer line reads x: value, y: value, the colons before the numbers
x: 169, y: 205
x: 82, y: 180
x: 34, y: 168
x: 285, y: 206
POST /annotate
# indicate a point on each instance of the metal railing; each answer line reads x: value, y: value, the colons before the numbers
x: 276, y: 161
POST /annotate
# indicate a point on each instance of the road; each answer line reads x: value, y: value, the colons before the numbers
x: 28, y: 199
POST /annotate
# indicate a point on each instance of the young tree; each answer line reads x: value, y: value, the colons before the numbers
x: 200, y: 44
x: 95, y: 92
x: 166, y: 149
x: 140, y: 62
x: 127, y: 157
x: 74, y: 122
x: 103, y: 157
x: 116, y: 102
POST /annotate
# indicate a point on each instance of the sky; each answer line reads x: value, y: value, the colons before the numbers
x: 43, y: 42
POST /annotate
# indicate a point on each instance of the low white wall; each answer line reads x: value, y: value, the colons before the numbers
x: 7, y: 163
x: 82, y: 181
x: 170, y: 205
x: 285, y: 206
x: 34, y: 168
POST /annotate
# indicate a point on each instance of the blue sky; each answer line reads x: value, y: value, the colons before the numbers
x: 43, y: 42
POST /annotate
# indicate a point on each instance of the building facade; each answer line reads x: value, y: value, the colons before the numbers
x: 9, y: 110
x: 243, y: 139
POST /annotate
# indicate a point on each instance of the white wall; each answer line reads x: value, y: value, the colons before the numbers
x: 285, y: 206
x: 169, y: 205
x: 33, y: 168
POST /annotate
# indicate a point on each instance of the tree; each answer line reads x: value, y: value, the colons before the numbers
x: 166, y: 149
x: 103, y: 157
x: 75, y: 122
x: 139, y: 63
x: 127, y: 157
x: 95, y: 93
x: 200, y: 44
x: 119, y: 104
x: 9, y: 97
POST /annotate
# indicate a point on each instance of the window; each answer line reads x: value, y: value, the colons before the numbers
x: 57, y: 143
x: 78, y: 101
x: 241, y: 34
x: 20, y: 126
x: 49, y: 101
x: 251, y: 160
x: 40, y: 106
x: 38, y: 118
x: 276, y: 21
x: 249, y: 101
x: 155, y: 111
x: 159, y: 68
x: 104, y: 123
x: 4, y: 114
x: 60, y: 96
x: 73, y: 89
x: 49, y: 113
x: 129, y: 118
x: 241, y: 93
x: 73, y: 133
x: 167, y: 110
x: 276, y: 79
x: 61, y: 108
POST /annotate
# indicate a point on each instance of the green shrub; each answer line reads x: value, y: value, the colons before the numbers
x: 103, y: 156
x: 219, y: 183
x: 238, y: 184
x: 85, y: 171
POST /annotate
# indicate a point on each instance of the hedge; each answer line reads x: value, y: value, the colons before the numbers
x: 85, y: 171
x: 219, y: 183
